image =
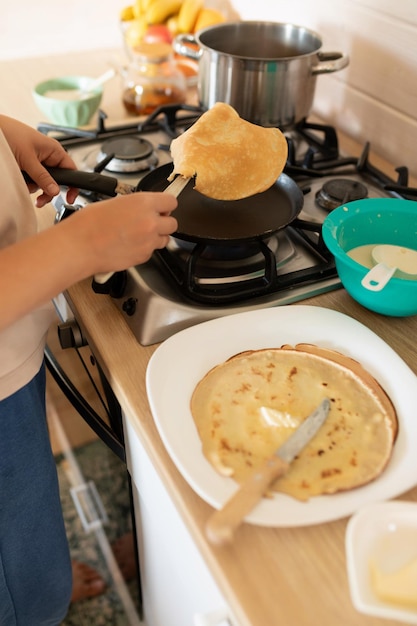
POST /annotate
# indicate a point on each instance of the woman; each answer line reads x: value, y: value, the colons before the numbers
x: 35, y: 567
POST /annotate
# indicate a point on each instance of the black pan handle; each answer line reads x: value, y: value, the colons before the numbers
x: 90, y: 181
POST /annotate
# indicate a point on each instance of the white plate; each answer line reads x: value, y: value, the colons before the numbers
x: 180, y: 362
x: 383, y: 530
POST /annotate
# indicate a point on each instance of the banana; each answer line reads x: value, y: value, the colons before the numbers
x: 188, y: 13
x: 137, y: 9
x: 127, y: 14
x: 146, y: 4
x: 160, y: 10
x: 208, y: 17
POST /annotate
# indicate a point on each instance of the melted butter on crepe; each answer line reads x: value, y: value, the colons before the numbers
x: 282, y: 419
x: 229, y: 157
x: 351, y: 449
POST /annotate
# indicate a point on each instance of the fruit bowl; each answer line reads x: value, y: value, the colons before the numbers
x: 150, y: 21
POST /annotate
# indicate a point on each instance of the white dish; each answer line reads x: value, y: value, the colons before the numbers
x: 180, y: 362
x: 381, y: 530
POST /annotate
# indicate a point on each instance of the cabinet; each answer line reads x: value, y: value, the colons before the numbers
x: 177, y: 587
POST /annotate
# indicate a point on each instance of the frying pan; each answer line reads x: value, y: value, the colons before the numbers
x: 202, y: 219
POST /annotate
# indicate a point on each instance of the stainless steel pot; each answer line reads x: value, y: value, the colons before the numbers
x: 265, y: 70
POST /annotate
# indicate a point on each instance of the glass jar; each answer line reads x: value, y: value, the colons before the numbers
x: 152, y: 79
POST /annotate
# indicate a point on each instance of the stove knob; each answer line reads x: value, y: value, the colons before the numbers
x: 65, y: 210
x: 115, y: 286
x: 129, y: 306
x: 70, y: 335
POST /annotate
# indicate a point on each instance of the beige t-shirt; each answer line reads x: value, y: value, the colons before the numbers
x: 22, y: 344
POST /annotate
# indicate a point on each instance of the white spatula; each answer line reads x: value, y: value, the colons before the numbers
x: 389, y: 259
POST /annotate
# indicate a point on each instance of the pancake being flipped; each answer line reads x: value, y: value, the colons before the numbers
x: 246, y: 407
x: 229, y: 157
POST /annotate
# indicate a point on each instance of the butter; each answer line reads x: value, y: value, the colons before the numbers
x: 282, y: 419
x: 398, y: 587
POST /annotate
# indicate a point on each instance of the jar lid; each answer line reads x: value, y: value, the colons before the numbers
x: 156, y: 51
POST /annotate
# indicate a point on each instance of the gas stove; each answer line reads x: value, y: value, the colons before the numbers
x: 187, y: 282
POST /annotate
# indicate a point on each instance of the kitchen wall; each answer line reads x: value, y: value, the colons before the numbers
x: 374, y: 99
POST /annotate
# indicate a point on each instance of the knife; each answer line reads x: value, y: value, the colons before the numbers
x: 221, y: 525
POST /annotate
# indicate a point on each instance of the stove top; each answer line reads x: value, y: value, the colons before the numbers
x: 190, y: 282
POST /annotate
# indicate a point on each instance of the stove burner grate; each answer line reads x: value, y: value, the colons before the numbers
x: 229, y: 263
x: 223, y: 289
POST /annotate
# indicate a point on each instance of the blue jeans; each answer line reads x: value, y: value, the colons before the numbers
x: 35, y: 566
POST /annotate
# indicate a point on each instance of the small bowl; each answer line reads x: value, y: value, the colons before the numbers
x: 373, y: 221
x: 383, y: 533
x: 67, y: 111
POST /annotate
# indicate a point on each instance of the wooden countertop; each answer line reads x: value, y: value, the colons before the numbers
x: 269, y: 576
x: 291, y: 577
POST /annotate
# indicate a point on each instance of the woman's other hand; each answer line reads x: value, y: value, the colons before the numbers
x: 32, y: 150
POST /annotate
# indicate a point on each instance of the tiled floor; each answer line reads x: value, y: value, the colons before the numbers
x: 110, y: 480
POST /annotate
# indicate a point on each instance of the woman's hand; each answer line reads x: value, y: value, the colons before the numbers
x: 32, y: 150
x: 124, y: 231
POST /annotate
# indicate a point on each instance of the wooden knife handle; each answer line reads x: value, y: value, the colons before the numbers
x: 222, y: 524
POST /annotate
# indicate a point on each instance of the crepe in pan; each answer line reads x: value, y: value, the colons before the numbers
x: 229, y: 157
x: 246, y: 407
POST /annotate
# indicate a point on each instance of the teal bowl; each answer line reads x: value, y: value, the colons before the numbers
x: 373, y: 221
x: 57, y: 99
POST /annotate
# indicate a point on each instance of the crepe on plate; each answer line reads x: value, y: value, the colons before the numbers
x: 246, y: 407
x: 229, y: 157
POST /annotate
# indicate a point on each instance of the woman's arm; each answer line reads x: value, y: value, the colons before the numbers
x: 104, y: 237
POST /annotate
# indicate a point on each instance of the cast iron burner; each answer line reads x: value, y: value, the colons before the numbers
x: 338, y: 191
x: 272, y: 269
x: 219, y: 263
x: 123, y: 155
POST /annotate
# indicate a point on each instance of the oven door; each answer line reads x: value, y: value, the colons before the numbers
x: 87, y: 437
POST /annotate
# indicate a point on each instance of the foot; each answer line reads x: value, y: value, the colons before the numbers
x: 124, y: 553
x: 86, y: 582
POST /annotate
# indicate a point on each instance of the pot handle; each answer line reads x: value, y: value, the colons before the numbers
x: 182, y: 46
x: 330, y: 62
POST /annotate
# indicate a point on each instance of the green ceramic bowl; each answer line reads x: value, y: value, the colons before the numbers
x: 373, y: 221
x: 67, y: 107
